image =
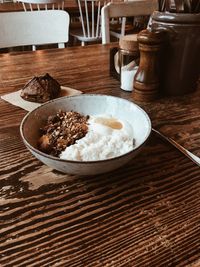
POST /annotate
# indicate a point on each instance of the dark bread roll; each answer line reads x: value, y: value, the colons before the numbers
x: 41, y: 89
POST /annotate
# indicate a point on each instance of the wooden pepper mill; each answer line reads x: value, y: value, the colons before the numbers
x: 147, y: 79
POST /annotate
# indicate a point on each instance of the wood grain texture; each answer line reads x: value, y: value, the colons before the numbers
x: 144, y: 214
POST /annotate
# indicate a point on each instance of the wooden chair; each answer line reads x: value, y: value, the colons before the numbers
x: 89, y: 29
x: 125, y: 9
x: 34, y: 28
x: 31, y: 5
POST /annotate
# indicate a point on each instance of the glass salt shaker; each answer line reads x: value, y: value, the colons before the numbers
x: 128, y: 60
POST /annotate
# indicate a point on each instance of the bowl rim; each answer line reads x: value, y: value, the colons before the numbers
x: 78, y: 161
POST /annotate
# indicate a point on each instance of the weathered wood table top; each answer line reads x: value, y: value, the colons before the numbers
x: 147, y: 213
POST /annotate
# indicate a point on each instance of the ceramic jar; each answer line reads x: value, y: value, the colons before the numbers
x: 181, y: 53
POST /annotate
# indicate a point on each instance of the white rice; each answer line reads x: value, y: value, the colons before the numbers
x: 100, y: 143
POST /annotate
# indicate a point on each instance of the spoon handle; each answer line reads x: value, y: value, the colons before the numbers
x: 179, y: 6
x: 187, y: 153
x: 187, y: 6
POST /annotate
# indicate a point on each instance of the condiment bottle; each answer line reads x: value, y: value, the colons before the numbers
x: 128, y: 60
x: 147, y: 78
x: 114, y: 62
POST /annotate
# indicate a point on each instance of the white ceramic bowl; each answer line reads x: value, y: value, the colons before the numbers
x: 88, y: 105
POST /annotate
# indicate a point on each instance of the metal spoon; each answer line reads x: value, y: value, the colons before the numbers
x: 179, y: 6
x: 187, y: 153
x: 187, y: 6
x: 162, y: 5
x: 196, y: 6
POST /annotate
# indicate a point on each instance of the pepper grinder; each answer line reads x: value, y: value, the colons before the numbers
x: 147, y: 79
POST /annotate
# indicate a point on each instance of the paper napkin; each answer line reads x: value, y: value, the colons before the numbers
x: 16, y: 100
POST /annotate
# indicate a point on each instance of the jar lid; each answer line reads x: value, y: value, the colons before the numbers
x: 129, y: 42
x: 176, y: 18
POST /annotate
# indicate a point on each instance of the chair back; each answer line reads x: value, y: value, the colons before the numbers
x: 125, y: 9
x: 30, y: 5
x: 34, y: 28
x: 90, y: 11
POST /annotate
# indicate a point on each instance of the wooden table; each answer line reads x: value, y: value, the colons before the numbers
x: 145, y: 214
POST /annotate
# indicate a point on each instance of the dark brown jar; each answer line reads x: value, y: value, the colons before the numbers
x: 181, y: 56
